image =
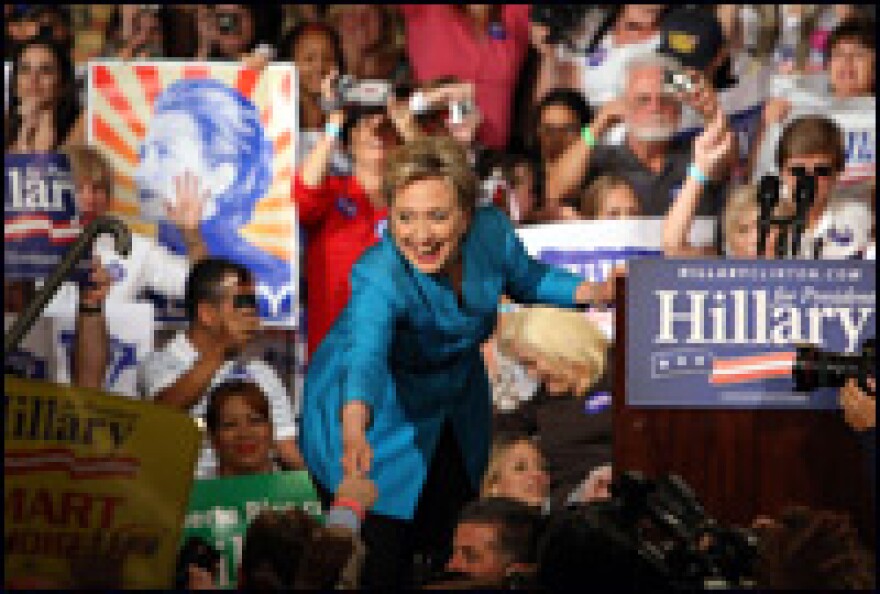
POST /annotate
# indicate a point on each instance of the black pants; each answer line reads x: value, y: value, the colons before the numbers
x: 394, y: 545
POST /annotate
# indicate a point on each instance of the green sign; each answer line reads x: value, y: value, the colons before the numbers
x: 220, y: 510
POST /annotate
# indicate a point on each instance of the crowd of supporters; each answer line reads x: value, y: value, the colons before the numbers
x: 556, y: 133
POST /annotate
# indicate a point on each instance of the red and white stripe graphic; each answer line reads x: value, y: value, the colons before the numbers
x: 752, y: 368
x: 35, y: 225
x: 64, y: 460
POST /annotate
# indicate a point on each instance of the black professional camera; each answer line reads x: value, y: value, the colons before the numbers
x: 665, y: 530
x: 815, y: 368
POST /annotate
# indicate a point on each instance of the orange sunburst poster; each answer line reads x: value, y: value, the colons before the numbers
x: 235, y: 129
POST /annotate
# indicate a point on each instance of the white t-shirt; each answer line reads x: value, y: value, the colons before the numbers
x: 149, y: 265
x: 162, y: 368
x: 843, y: 231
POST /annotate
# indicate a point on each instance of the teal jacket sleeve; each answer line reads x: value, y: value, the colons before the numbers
x: 527, y: 280
x: 371, y: 308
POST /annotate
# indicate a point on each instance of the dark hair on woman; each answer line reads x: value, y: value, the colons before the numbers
x: 251, y: 392
x: 573, y: 100
x: 570, y: 98
x: 292, y: 38
x: 67, y: 108
x: 861, y: 30
x: 288, y: 549
x: 113, y: 29
x: 813, y: 549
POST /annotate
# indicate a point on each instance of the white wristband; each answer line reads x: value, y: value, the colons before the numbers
x: 418, y: 103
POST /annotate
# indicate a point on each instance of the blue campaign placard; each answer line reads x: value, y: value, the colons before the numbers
x: 722, y: 334
x: 39, y: 214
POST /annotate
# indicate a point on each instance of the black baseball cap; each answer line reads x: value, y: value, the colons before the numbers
x: 691, y: 35
x: 694, y: 37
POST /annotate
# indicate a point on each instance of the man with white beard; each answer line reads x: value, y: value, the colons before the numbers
x: 653, y: 163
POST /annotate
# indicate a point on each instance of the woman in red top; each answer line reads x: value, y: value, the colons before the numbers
x: 480, y: 43
x: 343, y: 215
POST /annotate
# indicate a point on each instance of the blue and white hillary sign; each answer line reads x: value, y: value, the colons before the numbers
x: 723, y: 334
x: 39, y: 214
x: 857, y: 119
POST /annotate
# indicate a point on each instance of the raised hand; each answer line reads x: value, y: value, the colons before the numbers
x: 186, y: 212
x: 713, y: 146
x: 702, y: 98
x: 93, y: 293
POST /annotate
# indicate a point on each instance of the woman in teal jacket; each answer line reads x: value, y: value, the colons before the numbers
x: 402, y: 364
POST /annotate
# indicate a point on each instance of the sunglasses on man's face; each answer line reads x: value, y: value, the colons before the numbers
x: 244, y: 301
x: 817, y: 171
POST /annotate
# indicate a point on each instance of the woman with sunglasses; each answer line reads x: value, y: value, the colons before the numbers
x: 837, y: 225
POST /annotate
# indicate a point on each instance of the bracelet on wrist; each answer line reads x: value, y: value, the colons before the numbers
x: 90, y: 309
x: 587, y: 135
x: 694, y: 172
x: 351, y: 504
x: 332, y: 130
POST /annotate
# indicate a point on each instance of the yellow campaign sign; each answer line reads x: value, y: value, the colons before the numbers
x: 95, y: 487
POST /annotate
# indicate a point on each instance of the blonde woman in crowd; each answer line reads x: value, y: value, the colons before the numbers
x: 516, y: 470
x: 571, y: 412
x: 609, y: 197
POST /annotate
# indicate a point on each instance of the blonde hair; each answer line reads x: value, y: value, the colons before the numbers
x: 566, y: 339
x: 501, y: 446
x: 88, y: 165
x: 742, y: 198
x: 431, y: 158
x: 599, y: 187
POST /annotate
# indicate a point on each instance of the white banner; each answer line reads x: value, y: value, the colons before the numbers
x: 591, y: 249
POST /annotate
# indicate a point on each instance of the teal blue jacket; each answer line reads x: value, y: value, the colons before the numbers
x: 405, y: 347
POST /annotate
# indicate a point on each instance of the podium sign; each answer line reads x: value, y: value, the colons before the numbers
x: 723, y: 333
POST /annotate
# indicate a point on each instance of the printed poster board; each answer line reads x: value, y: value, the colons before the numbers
x: 236, y: 130
x: 722, y: 333
x: 94, y: 490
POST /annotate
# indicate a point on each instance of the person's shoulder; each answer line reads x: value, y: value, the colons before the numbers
x: 178, y: 348
x: 265, y: 375
x: 380, y: 265
x: 490, y: 218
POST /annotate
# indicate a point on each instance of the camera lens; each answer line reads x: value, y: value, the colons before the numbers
x: 227, y: 23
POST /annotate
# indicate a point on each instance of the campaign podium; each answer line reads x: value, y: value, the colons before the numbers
x: 743, y: 463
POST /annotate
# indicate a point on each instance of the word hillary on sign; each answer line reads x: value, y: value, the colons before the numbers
x: 755, y: 319
x: 724, y: 333
x: 51, y: 419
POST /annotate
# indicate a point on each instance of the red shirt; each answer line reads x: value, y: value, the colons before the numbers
x: 440, y: 41
x: 340, y: 224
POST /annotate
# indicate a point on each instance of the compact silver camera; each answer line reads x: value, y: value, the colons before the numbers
x: 677, y: 82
